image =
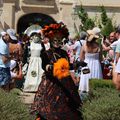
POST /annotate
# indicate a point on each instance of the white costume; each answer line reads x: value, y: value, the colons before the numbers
x: 34, y: 73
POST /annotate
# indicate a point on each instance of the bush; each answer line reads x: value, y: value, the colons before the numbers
x: 95, y: 83
x: 11, y: 107
x: 103, y: 102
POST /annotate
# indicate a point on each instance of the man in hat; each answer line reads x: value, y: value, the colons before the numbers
x: 5, y: 58
x: 15, y: 48
x: 12, y: 34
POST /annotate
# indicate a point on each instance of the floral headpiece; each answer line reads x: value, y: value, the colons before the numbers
x: 56, y: 31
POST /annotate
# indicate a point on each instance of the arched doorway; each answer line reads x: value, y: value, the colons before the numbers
x: 33, y: 18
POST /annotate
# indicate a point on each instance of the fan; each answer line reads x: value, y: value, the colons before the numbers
x: 32, y: 29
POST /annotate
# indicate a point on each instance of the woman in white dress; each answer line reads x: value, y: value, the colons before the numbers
x: 34, y: 73
x: 90, y: 53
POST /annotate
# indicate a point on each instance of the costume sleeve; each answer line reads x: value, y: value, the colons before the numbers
x: 45, y: 60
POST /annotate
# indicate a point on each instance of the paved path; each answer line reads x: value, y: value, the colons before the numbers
x: 27, y: 98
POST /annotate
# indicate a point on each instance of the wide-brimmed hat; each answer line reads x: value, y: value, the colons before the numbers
x: 12, y: 34
x: 91, y: 35
x: 96, y: 30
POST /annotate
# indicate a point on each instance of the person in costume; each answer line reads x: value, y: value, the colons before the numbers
x: 57, y: 97
x: 35, y: 71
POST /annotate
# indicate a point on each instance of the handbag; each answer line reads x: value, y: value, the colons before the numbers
x: 85, y: 70
x: 78, y: 64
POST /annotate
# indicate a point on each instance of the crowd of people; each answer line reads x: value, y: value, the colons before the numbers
x: 57, y: 66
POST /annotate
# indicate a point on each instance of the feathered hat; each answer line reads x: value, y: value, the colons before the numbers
x: 56, y: 31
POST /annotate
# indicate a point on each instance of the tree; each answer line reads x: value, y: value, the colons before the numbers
x: 86, y: 22
x: 108, y: 28
x: 107, y: 25
x: 104, y: 17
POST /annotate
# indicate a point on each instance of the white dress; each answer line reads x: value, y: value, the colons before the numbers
x: 95, y: 71
x: 35, y: 71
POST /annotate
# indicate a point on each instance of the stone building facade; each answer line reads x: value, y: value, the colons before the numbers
x: 18, y: 13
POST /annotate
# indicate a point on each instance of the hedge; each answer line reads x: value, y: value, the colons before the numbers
x: 11, y: 107
x: 103, y: 102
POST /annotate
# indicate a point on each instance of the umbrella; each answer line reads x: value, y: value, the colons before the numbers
x: 33, y: 29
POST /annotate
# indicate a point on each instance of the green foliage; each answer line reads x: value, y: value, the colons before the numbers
x: 103, y: 103
x: 11, y: 107
x: 105, y: 23
x: 104, y: 17
x: 108, y: 28
x: 95, y: 83
x: 82, y: 14
x: 89, y: 24
x: 86, y: 22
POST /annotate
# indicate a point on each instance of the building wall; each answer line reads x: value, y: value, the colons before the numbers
x: 13, y: 10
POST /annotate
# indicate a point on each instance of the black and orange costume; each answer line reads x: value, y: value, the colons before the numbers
x: 57, y: 98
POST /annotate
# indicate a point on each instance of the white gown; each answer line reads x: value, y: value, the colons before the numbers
x: 95, y: 71
x: 35, y: 71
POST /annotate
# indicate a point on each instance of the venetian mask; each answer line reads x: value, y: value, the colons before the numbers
x: 57, y: 43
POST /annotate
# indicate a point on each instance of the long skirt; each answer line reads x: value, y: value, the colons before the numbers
x: 52, y: 103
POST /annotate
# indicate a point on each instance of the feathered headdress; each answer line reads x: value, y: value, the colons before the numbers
x: 56, y: 31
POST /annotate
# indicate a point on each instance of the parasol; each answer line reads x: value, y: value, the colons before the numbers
x: 32, y: 29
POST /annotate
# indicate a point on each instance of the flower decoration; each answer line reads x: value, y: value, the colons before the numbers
x: 55, y: 31
x: 33, y: 74
x: 61, y: 68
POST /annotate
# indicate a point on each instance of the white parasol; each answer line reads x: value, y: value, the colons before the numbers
x: 32, y: 29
